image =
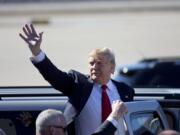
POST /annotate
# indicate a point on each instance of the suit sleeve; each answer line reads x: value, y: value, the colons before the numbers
x: 60, y: 80
x: 107, y: 128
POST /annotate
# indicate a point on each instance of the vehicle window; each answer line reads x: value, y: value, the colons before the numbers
x: 162, y: 76
x: 18, y: 122
x: 146, y: 123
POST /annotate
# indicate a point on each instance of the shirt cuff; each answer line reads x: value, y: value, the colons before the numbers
x: 113, y: 121
x: 40, y: 57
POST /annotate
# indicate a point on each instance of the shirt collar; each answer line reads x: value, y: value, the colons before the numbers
x: 109, y: 85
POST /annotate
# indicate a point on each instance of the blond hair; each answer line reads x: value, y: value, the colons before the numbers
x: 107, y: 52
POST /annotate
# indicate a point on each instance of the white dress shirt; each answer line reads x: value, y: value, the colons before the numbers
x: 90, y: 117
x: 38, y: 58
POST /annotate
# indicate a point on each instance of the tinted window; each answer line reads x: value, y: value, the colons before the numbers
x: 161, y: 75
x: 18, y: 122
x: 146, y: 123
x: 164, y: 75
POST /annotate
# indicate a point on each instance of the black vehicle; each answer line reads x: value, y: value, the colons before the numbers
x: 151, y: 73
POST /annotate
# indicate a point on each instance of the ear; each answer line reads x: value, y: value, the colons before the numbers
x: 112, y: 69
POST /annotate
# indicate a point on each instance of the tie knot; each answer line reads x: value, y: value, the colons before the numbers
x: 104, y: 87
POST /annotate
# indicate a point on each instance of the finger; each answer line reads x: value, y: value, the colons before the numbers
x: 28, y: 29
x: 24, y: 38
x: 35, y: 39
x: 125, y: 110
x: 25, y: 31
x: 116, y: 101
x: 33, y: 30
x: 40, y: 36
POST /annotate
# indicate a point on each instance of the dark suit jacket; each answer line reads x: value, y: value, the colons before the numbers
x: 107, y: 128
x: 76, y: 86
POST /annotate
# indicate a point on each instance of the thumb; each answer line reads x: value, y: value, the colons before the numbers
x: 40, y: 35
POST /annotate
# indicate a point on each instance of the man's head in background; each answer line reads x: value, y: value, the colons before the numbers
x: 51, y: 122
x: 169, y: 132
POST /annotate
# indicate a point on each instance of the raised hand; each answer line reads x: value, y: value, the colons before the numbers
x: 32, y: 38
x: 26, y: 118
x: 118, y: 109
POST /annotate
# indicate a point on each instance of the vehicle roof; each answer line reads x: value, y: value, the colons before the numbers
x: 150, y: 63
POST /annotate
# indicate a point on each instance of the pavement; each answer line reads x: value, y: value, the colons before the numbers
x: 49, y: 8
x: 70, y: 36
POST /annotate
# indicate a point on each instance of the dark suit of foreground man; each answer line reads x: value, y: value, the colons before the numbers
x: 83, y: 110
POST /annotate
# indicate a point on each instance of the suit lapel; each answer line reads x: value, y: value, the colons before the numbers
x: 123, y: 92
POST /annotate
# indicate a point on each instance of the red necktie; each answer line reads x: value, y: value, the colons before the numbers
x: 106, y: 105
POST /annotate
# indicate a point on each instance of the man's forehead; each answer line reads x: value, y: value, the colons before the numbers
x: 97, y: 58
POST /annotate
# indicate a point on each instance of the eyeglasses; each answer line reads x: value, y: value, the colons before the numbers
x: 61, y: 127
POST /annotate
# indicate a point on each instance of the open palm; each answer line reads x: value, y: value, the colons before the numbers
x: 32, y: 38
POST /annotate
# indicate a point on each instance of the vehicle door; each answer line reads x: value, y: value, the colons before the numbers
x: 144, y: 118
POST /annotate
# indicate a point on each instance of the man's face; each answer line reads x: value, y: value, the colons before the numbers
x: 57, y: 131
x: 100, y: 69
x: 58, y: 128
